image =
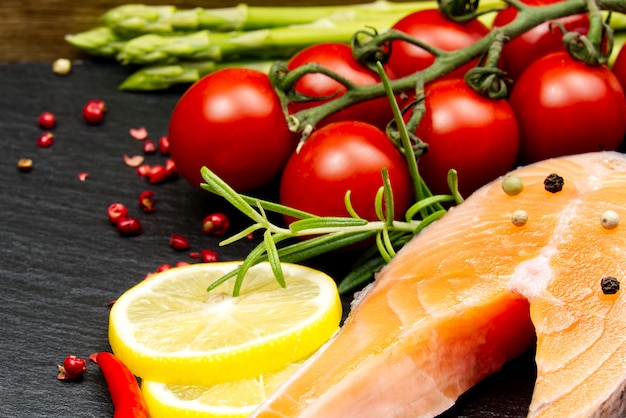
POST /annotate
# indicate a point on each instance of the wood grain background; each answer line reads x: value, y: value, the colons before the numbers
x: 32, y: 30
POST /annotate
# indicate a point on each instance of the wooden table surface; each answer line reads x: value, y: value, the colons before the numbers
x: 33, y: 30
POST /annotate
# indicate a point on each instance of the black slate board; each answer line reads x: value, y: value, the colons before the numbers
x: 61, y: 261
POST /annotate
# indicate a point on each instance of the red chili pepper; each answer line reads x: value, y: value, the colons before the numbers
x: 128, y: 401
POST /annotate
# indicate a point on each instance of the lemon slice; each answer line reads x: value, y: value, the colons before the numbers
x: 235, y: 399
x: 170, y: 329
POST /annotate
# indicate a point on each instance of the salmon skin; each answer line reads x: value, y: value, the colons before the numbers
x: 474, y: 290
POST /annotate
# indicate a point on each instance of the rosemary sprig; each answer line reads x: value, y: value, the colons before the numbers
x: 325, y: 234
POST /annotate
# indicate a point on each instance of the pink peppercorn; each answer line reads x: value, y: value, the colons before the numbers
x: 94, y: 110
x: 117, y: 212
x: 215, y: 224
x: 45, y: 140
x: 46, y: 120
x: 179, y: 243
x: 73, y: 368
x: 130, y: 226
x: 208, y: 256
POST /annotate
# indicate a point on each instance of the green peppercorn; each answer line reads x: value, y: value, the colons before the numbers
x: 512, y: 185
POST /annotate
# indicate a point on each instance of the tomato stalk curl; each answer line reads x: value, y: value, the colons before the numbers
x: 595, y: 47
x: 487, y: 78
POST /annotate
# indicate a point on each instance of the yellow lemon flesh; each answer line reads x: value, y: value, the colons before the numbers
x: 235, y: 399
x: 169, y: 329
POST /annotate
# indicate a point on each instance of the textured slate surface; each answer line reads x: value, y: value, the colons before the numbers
x: 61, y: 261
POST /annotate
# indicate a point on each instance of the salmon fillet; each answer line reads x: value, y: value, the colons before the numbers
x: 472, y: 291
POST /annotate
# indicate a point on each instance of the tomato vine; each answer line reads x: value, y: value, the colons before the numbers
x: 371, y: 44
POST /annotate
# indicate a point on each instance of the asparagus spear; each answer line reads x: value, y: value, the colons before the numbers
x: 131, y: 20
x: 261, y: 43
x: 161, y: 77
x: 136, y: 19
x: 100, y: 42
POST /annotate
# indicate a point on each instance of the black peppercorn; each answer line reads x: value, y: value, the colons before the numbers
x: 610, y: 285
x: 553, y: 183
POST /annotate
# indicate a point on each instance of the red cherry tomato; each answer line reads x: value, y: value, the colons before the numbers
x: 338, y: 58
x: 520, y: 52
x: 342, y: 156
x: 232, y: 122
x: 432, y: 28
x: 566, y: 107
x: 475, y: 135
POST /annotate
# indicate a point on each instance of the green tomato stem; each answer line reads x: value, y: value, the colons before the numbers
x: 404, y: 135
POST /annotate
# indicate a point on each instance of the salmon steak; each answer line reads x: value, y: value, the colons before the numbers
x: 496, y: 276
